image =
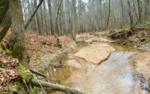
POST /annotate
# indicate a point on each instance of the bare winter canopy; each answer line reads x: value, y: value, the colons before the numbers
x: 59, y: 17
x: 90, y: 15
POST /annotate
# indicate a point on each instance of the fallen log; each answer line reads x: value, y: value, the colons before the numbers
x: 124, y: 33
x: 56, y: 87
x: 120, y: 34
x: 112, y: 34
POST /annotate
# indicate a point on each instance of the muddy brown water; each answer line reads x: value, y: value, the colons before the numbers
x: 116, y: 75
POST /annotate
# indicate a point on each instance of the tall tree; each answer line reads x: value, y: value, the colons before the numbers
x: 51, y: 18
x: 17, y: 38
x: 57, y: 17
x: 74, y: 19
x: 45, y: 22
x: 130, y: 14
x: 139, y: 10
x: 108, y: 16
x: 146, y: 9
x: 38, y: 19
x: 122, y: 9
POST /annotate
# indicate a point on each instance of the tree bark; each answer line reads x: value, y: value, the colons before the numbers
x: 17, y: 38
x: 29, y: 21
x: 51, y: 18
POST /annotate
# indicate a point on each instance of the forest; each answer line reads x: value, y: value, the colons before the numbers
x: 74, y: 47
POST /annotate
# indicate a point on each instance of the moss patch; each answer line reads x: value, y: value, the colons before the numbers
x: 25, y: 73
x: 13, y: 88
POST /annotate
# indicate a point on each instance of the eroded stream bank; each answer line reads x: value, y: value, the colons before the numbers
x: 121, y: 73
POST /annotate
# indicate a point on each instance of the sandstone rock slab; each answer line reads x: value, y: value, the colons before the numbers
x: 95, y: 53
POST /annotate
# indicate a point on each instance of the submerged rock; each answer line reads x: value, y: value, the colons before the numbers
x: 73, y: 63
x: 95, y: 53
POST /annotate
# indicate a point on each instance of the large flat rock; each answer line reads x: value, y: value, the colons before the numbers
x: 95, y: 53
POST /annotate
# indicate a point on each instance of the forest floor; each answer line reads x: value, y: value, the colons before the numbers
x: 40, y: 57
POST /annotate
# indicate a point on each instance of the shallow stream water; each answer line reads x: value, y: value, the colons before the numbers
x: 116, y: 75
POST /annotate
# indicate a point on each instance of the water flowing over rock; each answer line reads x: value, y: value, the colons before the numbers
x: 114, y: 76
x: 95, y: 53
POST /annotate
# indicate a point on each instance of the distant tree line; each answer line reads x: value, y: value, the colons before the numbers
x: 64, y: 17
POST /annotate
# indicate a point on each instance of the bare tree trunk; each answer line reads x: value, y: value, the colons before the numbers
x: 122, y: 9
x: 30, y: 19
x: 57, y: 18
x: 17, y: 38
x: 29, y: 12
x: 41, y: 19
x: 8, y: 23
x: 37, y: 18
x: 108, y: 16
x: 139, y: 10
x: 51, y: 18
x: 146, y: 9
x: 74, y: 19
x: 45, y: 22
x: 130, y: 15
x: 81, y: 26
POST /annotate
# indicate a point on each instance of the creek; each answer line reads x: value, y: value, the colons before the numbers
x: 116, y: 75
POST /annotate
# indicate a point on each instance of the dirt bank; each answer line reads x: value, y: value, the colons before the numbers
x: 44, y: 51
x: 135, y: 39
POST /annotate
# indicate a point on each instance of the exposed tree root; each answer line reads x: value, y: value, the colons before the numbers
x: 56, y: 87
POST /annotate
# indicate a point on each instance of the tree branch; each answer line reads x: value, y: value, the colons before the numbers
x: 38, y: 73
x: 5, y: 28
x: 28, y: 22
x: 8, y: 24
